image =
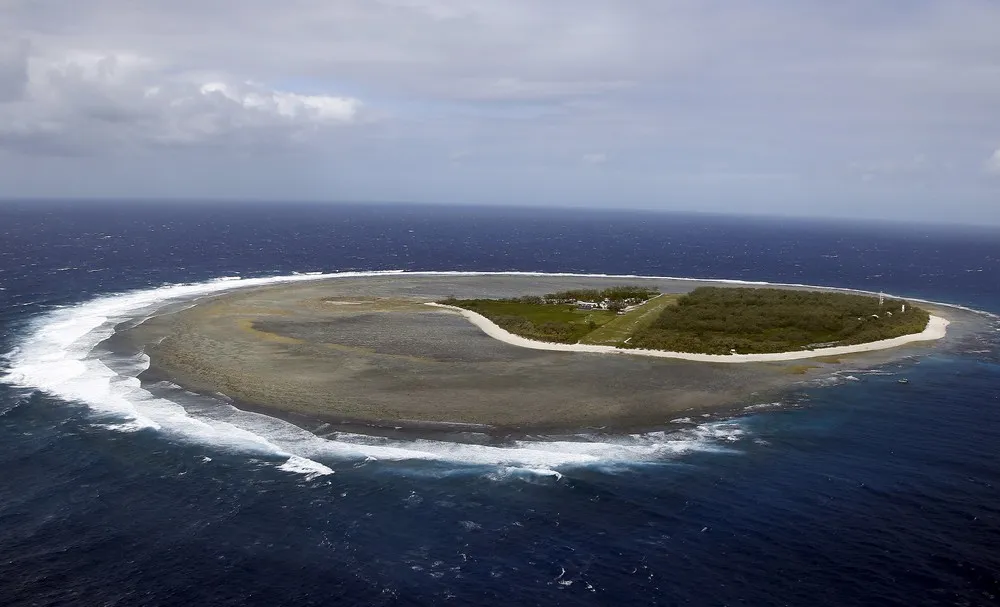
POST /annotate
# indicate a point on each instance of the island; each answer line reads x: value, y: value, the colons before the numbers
x: 708, y: 320
x: 516, y: 354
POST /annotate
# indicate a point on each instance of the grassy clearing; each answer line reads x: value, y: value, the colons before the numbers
x: 538, y: 313
x: 547, y: 322
x: 620, y: 328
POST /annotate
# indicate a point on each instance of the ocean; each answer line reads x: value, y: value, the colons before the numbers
x: 853, y: 490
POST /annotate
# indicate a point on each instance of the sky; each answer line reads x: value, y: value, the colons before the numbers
x: 854, y: 108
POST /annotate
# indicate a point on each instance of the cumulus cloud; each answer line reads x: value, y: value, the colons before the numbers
x: 85, y: 101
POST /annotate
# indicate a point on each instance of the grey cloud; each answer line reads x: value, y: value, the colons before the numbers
x: 13, y: 68
x: 826, y: 92
x: 515, y: 89
x: 901, y: 168
x: 88, y: 101
x: 993, y: 163
x: 439, y: 48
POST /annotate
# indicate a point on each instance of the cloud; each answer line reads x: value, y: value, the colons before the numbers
x: 13, y: 68
x: 896, y: 168
x: 514, y: 89
x: 380, y: 87
x: 280, y: 105
x: 993, y: 163
x: 88, y: 101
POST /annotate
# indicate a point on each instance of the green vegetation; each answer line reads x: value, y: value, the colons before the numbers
x: 558, y: 317
x: 614, y: 299
x: 716, y: 320
x: 617, y: 297
x: 708, y: 320
x: 563, y: 323
x: 621, y: 328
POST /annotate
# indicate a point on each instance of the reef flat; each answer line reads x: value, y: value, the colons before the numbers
x: 368, y: 350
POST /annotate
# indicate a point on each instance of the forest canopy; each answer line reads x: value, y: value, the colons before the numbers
x: 718, y: 320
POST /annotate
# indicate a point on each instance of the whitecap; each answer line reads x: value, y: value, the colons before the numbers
x: 763, y: 406
x: 307, y: 467
x: 506, y: 473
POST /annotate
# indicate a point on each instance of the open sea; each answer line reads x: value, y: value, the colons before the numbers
x: 855, y: 490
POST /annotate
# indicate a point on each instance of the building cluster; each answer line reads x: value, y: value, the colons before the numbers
x: 615, y: 305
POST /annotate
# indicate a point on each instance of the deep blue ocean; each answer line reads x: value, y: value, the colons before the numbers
x: 862, y: 492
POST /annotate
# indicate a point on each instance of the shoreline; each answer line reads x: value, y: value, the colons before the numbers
x: 936, y: 329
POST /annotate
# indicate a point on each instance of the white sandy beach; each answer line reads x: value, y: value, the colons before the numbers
x: 936, y: 329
